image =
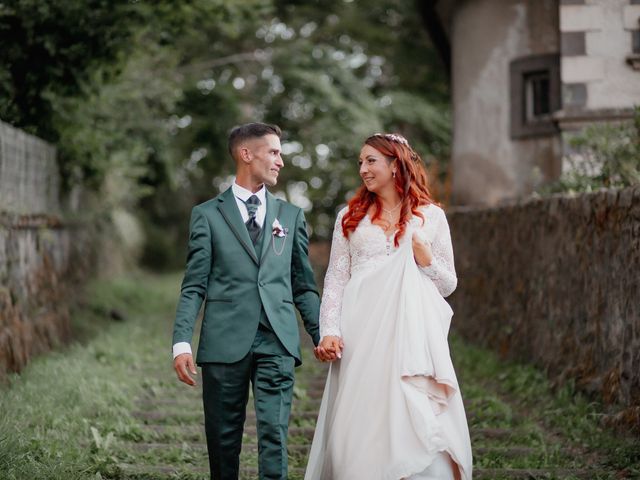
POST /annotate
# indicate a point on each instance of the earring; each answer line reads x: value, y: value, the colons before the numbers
x: 394, y: 174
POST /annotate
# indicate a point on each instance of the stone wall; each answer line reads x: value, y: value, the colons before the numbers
x: 29, y: 179
x: 41, y: 254
x: 556, y: 282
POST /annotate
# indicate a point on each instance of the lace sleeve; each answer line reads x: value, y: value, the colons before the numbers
x: 442, y: 269
x: 338, y: 274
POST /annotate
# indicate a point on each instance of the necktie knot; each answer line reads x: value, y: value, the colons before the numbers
x: 252, y: 203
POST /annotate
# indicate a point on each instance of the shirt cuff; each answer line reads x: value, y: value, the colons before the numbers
x: 180, y: 348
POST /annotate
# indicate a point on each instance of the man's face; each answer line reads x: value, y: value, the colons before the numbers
x: 266, y: 161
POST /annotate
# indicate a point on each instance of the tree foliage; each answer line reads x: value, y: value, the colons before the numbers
x: 50, y: 48
x: 330, y: 73
x: 604, y: 155
x: 139, y: 96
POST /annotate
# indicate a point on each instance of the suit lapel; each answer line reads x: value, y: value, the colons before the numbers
x: 273, y: 210
x: 228, y: 207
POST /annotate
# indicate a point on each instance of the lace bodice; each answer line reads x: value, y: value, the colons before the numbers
x: 368, y: 246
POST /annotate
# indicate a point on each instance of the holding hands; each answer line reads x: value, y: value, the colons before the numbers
x: 329, y: 349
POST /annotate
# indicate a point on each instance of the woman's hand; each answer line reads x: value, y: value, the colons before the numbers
x: 421, y: 250
x: 329, y: 348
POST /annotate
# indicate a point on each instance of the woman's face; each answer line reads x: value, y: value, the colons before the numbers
x: 375, y: 169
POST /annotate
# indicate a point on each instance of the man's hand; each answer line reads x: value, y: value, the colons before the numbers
x: 329, y: 349
x: 421, y: 250
x: 183, y: 364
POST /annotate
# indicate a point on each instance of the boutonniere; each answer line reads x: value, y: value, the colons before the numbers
x: 279, y: 230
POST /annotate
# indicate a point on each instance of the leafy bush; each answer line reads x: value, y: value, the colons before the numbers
x: 605, y: 156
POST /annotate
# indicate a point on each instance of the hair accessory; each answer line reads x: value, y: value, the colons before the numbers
x: 394, y: 137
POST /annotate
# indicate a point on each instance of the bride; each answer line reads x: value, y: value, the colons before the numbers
x: 391, y: 407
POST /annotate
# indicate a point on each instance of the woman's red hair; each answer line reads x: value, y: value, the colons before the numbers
x: 410, y: 183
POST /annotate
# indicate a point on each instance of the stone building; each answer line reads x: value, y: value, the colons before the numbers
x: 524, y: 75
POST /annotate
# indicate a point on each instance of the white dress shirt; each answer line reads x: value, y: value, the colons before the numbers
x: 242, y: 195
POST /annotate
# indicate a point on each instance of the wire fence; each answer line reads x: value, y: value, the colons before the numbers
x: 29, y: 176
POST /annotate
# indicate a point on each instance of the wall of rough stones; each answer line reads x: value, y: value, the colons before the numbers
x: 556, y: 282
x: 40, y: 253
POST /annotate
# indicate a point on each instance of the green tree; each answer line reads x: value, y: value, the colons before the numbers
x: 50, y: 48
x: 604, y: 155
x: 330, y: 73
x: 140, y: 96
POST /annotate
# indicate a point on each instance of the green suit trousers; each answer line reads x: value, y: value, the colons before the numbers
x: 269, y: 368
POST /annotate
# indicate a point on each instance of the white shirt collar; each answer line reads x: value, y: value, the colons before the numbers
x: 244, y: 194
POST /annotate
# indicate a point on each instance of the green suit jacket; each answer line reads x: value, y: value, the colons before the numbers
x: 224, y: 271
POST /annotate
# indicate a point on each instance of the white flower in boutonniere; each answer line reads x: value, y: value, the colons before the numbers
x: 279, y: 230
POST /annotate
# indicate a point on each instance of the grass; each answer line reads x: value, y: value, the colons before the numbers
x: 63, y: 416
x: 70, y: 414
x: 561, y: 424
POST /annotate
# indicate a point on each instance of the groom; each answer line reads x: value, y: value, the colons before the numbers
x: 248, y: 263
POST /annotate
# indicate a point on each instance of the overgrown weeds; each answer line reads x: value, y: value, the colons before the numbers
x: 64, y: 415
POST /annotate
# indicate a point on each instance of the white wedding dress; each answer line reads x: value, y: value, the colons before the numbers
x: 391, y: 407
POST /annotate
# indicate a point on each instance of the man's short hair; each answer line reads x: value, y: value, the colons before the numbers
x: 251, y: 130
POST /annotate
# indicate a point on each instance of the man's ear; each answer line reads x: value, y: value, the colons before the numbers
x: 244, y: 154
